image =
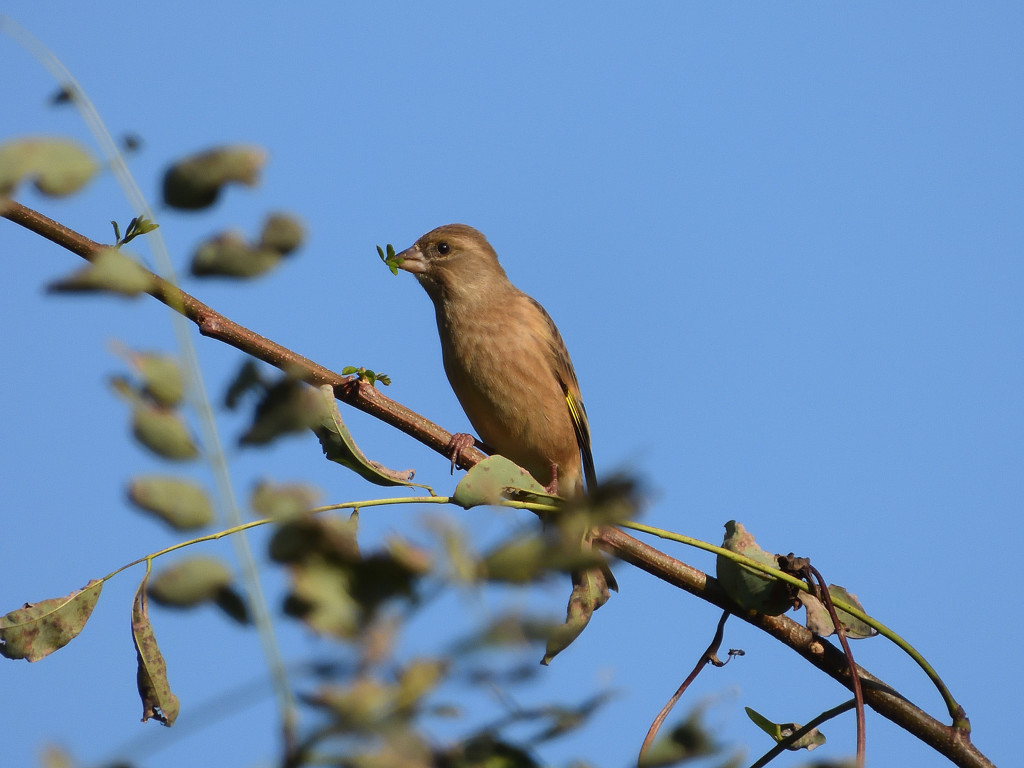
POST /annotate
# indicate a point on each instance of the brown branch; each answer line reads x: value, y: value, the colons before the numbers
x: 951, y: 742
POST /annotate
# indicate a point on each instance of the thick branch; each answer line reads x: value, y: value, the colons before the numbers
x: 953, y: 743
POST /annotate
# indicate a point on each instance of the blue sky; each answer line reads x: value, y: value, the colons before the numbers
x: 782, y: 242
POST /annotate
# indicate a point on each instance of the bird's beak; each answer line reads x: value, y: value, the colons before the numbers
x: 412, y: 261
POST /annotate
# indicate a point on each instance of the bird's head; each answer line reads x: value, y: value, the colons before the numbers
x: 454, y: 261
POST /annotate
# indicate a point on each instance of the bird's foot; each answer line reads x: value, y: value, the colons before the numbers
x: 460, y: 442
x: 552, y: 487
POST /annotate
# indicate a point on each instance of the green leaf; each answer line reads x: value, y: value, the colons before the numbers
x: 389, y: 258
x: 488, y: 483
x: 779, y: 731
x: 38, y: 629
x: 285, y: 501
x: 189, y: 582
x: 163, y: 432
x: 417, y: 679
x: 282, y: 233
x: 750, y: 589
x: 288, y: 406
x: 248, y: 379
x: 339, y: 446
x: 109, y: 271
x: 365, y: 374
x: 180, y: 503
x: 162, y: 378
x: 230, y: 255
x: 196, y: 181
x: 158, y: 702
x: 57, y: 167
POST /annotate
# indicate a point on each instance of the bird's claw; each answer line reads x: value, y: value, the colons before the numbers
x: 460, y: 442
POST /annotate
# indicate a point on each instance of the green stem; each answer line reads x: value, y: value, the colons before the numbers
x: 954, y: 709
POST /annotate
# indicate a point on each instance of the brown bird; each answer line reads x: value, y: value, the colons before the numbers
x: 508, y: 366
x: 505, y: 359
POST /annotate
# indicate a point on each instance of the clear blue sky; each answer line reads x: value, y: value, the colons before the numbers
x: 782, y: 241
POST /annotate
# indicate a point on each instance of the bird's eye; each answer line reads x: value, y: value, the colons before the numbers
x: 443, y: 248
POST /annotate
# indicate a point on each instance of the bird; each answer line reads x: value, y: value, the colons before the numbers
x: 507, y: 364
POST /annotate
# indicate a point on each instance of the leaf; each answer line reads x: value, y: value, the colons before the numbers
x: 230, y: 255
x: 57, y: 167
x: 189, y: 582
x: 779, y: 731
x: 417, y: 679
x: 158, y: 702
x: 109, y: 271
x: 163, y: 432
x: 282, y: 233
x: 180, y: 503
x: 489, y: 481
x: 284, y: 501
x: 750, y: 589
x: 339, y: 447
x: 38, y: 629
x: 365, y: 374
x: 162, y: 378
x: 688, y: 740
x: 819, y: 621
x: 248, y: 379
x: 196, y: 181
x: 389, y: 258
x: 589, y: 592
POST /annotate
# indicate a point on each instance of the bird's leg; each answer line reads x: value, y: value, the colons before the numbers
x: 460, y: 442
x: 552, y: 487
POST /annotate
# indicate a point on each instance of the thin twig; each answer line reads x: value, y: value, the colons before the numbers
x: 710, y: 656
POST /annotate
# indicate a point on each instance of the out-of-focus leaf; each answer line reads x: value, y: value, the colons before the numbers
x: 518, y: 561
x: 589, y: 592
x: 418, y: 679
x: 110, y: 271
x: 819, y: 622
x: 508, y: 630
x: 282, y: 233
x: 363, y: 706
x: 162, y: 379
x: 485, y: 751
x: 158, y: 702
x: 229, y: 255
x: 58, y: 167
x: 38, y: 629
x: 486, y: 483
x: 189, y: 582
x: 687, y: 741
x: 246, y: 380
x: 287, y: 407
x: 180, y: 503
x: 750, y: 589
x: 283, y: 501
x: 340, y: 447
x: 779, y: 731
x: 196, y: 181
x: 163, y: 432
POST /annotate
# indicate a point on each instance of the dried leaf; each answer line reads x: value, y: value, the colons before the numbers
x: 38, y: 629
x: 158, y: 702
x: 340, y: 447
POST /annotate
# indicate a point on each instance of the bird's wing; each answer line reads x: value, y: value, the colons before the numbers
x: 562, y: 365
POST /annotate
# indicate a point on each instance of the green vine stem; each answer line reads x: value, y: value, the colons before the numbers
x: 956, y: 712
